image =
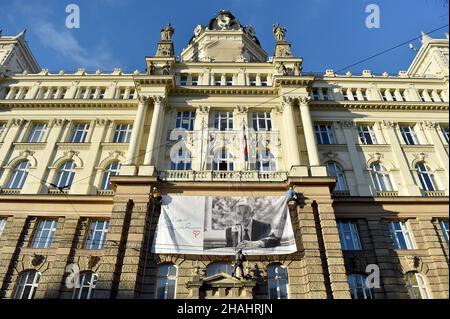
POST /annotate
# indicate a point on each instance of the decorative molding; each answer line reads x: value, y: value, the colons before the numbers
x: 421, y: 157
x: 158, y: 99
x: 242, y: 109
x: 59, y: 122
x: 430, y: 125
x: 304, y: 100
x: 288, y: 100
x: 376, y: 157
x: 101, y: 121
x: 390, y: 124
x: 330, y: 155
x: 347, y: 124
x: 18, y: 121
x: 203, y: 109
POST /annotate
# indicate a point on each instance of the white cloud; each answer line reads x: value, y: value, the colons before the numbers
x: 66, y: 45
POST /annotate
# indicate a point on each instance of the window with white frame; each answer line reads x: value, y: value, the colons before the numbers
x: 79, y: 133
x: 315, y: 94
x: 91, y: 94
x: 27, y: 285
x: 185, y: 120
x: 101, y: 94
x: 44, y: 233
x: 37, y: 133
x: 324, y: 134
x: 223, y: 160
x: 264, y: 81
x: 252, y: 80
x: 426, y: 177
x: 131, y: 94
x: 445, y: 132
x: 335, y: 170
x: 166, y: 282
x: 384, y: 95
x: 2, y: 128
x: 393, y: 95
x: 442, y: 223
x: 65, y: 175
x: 229, y: 80
x: 326, y: 94
x: 53, y: 94
x: 409, y: 135
x: 219, y: 268
x: 367, y: 134
x: 98, y: 229
x: 364, y: 95
x: 19, y: 175
x: 262, y: 121
x: 380, y: 178
x: 122, y: 134
x: 86, y: 290
x: 223, y: 121
x: 277, y: 282
x: 181, y: 160
x: 349, y: 235
x: 417, y: 287
x: 358, y: 287
x: 217, y: 80
x: 194, y: 79
x: 3, y: 225
x: 183, y: 79
x: 265, y: 161
x: 401, y: 235
x: 63, y: 93
x: 24, y: 93
x: 121, y: 94
x: 345, y: 94
x: 355, y: 95
x: 112, y: 169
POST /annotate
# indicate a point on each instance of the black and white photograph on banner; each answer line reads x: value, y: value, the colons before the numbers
x: 222, y: 225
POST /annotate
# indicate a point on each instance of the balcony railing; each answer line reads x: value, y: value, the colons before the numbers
x: 209, y: 176
x: 434, y: 193
x: 10, y: 191
x: 56, y: 191
x: 387, y: 194
x: 105, y: 192
x: 345, y: 193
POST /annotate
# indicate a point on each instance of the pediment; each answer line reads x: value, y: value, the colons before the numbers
x: 222, y: 280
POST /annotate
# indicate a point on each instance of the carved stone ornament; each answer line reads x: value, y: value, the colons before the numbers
x: 143, y: 99
x: 304, y: 100
x: 37, y: 260
x: 330, y: 155
x: 430, y: 125
x: 421, y: 157
x: 347, y: 124
x: 115, y: 154
x: 158, y: 99
x: 18, y: 122
x: 101, y: 122
x: 203, y: 109
x: 59, y: 122
x: 376, y: 156
x: 279, y: 32
x: 25, y: 154
x: 70, y: 154
x: 242, y: 109
x: 389, y: 124
x: 288, y: 100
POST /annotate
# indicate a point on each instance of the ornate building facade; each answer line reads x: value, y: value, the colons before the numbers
x: 85, y: 156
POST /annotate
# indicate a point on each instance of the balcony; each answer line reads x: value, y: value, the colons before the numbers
x: 214, y: 176
x: 387, y: 194
x: 434, y: 193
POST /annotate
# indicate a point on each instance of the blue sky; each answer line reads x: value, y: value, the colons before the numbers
x: 326, y: 33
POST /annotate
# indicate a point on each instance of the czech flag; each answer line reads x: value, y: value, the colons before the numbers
x: 245, y: 145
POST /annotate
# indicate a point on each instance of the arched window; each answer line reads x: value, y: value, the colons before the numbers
x: 19, y: 175
x: 380, y: 178
x: 27, y: 285
x: 223, y: 160
x: 426, y: 177
x: 166, y: 282
x: 111, y: 170
x: 88, y: 281
x: 417, y: 287
x: 218, y: 268
x: 265, y: 161
x: 65, y: 175
x: 335, y: 170
x: 277, y: 282
x: 181, y: 161
x: 358, y: 287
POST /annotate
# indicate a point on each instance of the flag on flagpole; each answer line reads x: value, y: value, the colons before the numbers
x: 245, y: 145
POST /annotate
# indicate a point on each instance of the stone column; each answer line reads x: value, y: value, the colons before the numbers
x: 350, y: 139
x: 308, y: 128
x: 407, y: 187
x: 201, y: 138
x: 150, y: 152
x: 433, y: 136
x: 129, y: 167
x: 291, y: 126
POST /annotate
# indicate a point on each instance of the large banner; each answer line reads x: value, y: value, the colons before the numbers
x: 221, y: 225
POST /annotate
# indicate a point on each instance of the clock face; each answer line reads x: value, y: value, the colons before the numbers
x: 223, y: 21
x: 197, y: 30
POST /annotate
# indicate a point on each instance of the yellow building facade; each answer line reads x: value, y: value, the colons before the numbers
x: 85, y: 156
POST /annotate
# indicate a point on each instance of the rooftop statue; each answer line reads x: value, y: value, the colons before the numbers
x: 167, y: 33
x: 279, y: 32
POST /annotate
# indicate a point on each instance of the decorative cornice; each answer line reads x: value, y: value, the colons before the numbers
x: 380, y: 105
x: 68, y: 103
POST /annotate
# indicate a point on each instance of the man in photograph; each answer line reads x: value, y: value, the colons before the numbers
x: 249, y: 233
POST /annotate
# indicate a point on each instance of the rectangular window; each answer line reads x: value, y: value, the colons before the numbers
x: 24, y: 94
x: 349, y: 236
x: 326, y: 94
x: 102, y: 93
x: 367, y: 135
x: 409, y: 136
x: 355, y: 95
x: 122, y: 133
x: 2, y: 129
x: 194, y: 80
x: 52, y: 95
x: 345, y: 94
x: 131, y: 94
x: 14, y: 94
x: 79, y: 133
x: 121, y: 94
x: 315, y: 94
x: 223, y: 121
x: 37, y: 133
x: 400, y: 235
x: 364, y: 94
x: 443, y: 223
x: 217, y: 81
x: 183, y: 79
x: 394, y: 97
x: 384, y: 95
x: 262, y: 121
x: 97, y: 234
x: 83, y: 93
x: 63, y: 94
x: 324, y: 134
x: 445, y: 132
x: 263, y: 80
x: 185, y: 120
x: 43, y: 236
x: 252, y: 81
x: 91, y: 95
x: 3, y: 225
x: 229, y: 80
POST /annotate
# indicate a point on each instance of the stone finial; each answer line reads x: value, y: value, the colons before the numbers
x: 367, y: 73
x: 279, y: 32
x: 98, y: 72
x: 349, y: 73
x: 425, y: 38
x: 61, y: 72
x: 167, y: 32
x: 136, y: 72
x: 385, y: 74
x: 329, y: 72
